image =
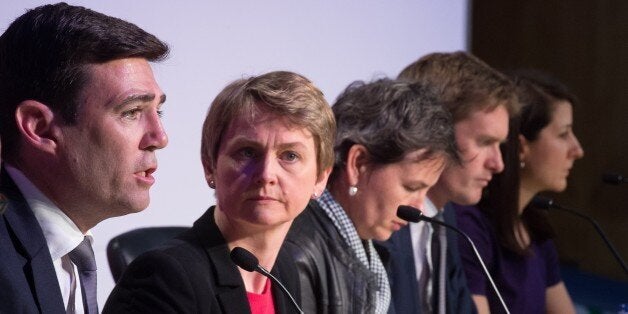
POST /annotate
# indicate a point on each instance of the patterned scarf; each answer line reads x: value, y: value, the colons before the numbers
x: 348, y: 232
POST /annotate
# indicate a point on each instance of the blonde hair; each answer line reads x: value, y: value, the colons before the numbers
x: 283, y: 93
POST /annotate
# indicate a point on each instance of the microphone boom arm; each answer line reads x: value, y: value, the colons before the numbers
x: 266, y: 273
x: 412, y: 214
x: 600, y: 231
x: 477, y: 255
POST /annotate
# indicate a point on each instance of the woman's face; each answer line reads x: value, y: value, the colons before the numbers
x: 265, y: 172
x: 381, y: 189
x: 550, y: 157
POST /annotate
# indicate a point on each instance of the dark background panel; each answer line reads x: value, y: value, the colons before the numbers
x: 585, y: 45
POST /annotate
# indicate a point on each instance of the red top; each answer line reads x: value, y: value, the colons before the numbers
x: 262, y: 303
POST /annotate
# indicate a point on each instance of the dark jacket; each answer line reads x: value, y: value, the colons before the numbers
x: 333, y: 280
x: 398, y: 258
x: 28, y: 281
x: 194, y: 274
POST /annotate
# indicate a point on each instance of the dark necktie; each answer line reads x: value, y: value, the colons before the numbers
x: 439, y: 260
x: 426, y: 277
x: 83, y: 257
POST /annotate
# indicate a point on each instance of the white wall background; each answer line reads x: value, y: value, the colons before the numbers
x: 214, y: 42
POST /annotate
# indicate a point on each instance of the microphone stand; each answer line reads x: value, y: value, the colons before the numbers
x: 412, y: 214
x: 547, y: 203
x: 477, y: 255
x: 266, y: 273
x: 249, y: 262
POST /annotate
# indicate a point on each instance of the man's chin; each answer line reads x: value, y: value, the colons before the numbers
x: 133, y: 207
x: 468, y: 200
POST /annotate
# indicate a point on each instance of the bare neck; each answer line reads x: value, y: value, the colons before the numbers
x: 526, y: 193
x: 437, y: 197
x: 264, y: 242
x: 43, y: 178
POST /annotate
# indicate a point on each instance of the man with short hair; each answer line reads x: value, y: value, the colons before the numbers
x: 426, y: 275
x: 80, y: 123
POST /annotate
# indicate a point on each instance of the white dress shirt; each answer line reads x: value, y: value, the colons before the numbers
x: 421, y: 247
x: 62, y: 236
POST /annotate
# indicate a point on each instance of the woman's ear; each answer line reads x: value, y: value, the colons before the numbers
x: 321, y: 182
x: 357, y: 162
x: 35, y: 122
x: 209, y: 173
x: 524, y: 148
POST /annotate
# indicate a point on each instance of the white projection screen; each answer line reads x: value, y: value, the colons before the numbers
x: 214, y: 42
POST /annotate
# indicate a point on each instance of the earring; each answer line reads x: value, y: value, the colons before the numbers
x: 212, y: 184
x: 314, y: 195
x: 522, y: 164
x: 353, y: 190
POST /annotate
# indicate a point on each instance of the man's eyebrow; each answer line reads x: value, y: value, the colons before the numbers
x: 492, y: 139
x: 141, y: 98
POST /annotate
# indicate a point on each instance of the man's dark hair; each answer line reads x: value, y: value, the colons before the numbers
x: 44, y: 56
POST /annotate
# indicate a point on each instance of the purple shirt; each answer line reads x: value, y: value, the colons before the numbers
x: 522, y: 281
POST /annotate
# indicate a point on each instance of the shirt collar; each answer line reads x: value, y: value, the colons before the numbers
x: 429, y: 209
x: 61, y: 233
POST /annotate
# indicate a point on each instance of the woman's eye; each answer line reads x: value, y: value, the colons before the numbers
x: 412, y: 189
x: 247, y: 152
x: 290, y: 156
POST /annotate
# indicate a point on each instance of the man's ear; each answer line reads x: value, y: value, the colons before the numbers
x: 35, y: 124
x: 357, y: 162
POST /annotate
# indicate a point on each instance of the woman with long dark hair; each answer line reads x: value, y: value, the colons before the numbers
x: 513, y: 237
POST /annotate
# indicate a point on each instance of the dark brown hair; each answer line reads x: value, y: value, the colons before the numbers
x: 538, y: 93
x: 44, y: 56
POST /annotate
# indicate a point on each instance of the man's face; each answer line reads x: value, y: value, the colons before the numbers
x: 109, y: 154
x: 478, y: 138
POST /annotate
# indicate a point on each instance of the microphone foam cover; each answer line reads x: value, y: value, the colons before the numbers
x: 243, y: 258
x: 612, y: 178
x: 542, y: 202
x: 409, y: 213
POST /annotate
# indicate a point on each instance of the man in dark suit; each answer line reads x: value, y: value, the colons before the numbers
x: 80, y: 124
x: 425, y: 271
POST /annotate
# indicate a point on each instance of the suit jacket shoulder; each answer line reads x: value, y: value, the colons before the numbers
x: 191, y: 274
x: 333, y: 280
x: 27, y: 275
x: 399, y: 262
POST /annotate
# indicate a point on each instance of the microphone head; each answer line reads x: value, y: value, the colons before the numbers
x: 409, y: 213
x: 243, y: 258
x: 613, y: 178
x: 542, y: 202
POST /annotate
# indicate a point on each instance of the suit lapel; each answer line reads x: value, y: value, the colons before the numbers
x: 402, y: 272
x: 30, y: 242
x: 229, y: 286
x: 285, y: 270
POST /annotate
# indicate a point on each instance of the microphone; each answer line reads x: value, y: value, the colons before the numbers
x: 547, y: 204
x: 247, y: 261
x: 614, y: 178
x: 411, y: 214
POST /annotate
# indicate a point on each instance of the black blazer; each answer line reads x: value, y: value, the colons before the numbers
x: 398, y: 258
x: 194, y: 274
x: 28, y: 281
